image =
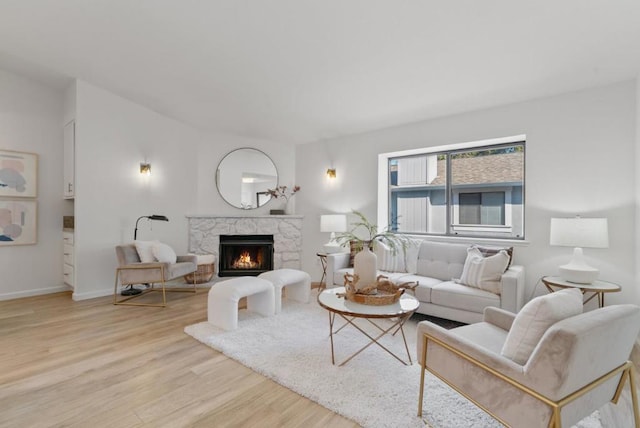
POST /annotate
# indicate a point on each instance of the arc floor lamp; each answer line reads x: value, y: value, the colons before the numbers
x: 131, y: 290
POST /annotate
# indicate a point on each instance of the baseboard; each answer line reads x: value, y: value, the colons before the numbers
x: 109, y: 291
x: 92, y: 294
x: 35, y: 292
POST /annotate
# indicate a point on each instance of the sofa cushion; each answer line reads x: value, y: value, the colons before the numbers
x: 441, y: 260
x: 484, y: 334
x: 180, y: 269
x: 458, y: 296
x: 535, y: 318
x: 484, y: 272
x: 423, y: 289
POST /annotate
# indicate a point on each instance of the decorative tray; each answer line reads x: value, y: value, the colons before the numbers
x: 382, y: 292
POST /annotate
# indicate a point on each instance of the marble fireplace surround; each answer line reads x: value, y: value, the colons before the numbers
x: 205, y: 231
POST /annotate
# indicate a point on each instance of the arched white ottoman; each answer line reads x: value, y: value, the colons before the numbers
x: 222, y: 307
x: 298, y: 285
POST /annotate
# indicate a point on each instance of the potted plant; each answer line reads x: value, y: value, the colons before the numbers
x: 391, y: 239
x: 365, y: 234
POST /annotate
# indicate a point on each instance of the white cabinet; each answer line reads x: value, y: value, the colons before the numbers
x: 69, y: 259
x: 69, y: 160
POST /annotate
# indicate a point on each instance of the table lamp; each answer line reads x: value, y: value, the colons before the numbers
x: 579, y: 232
x: 333, y: 223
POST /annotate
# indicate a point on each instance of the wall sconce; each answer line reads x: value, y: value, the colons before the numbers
x: 331, y: 173
x: 145, y: 168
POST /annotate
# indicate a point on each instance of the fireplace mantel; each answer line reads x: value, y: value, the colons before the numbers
x: 205, y: 231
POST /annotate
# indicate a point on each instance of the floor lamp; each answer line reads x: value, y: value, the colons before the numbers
x: 150, y: 217
x: 131, y: 291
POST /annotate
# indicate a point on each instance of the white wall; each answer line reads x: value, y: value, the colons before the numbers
x: 31, y: 121
x: 113, y: 135
x: 637, y: 191
x: 580, y: 159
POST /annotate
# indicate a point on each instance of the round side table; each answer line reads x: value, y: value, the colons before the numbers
x: 596, y: 288
x: 323, y: 262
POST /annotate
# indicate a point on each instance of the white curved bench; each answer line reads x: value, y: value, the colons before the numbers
x: 298, y: 285
x: 222, y: 307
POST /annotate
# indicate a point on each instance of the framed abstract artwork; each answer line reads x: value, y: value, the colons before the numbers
x: 18, y: 222
x: 18, y: 174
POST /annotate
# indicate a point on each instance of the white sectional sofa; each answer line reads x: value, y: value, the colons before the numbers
x: 439, y: 295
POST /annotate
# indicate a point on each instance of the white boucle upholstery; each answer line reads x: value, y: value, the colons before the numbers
x: 222, y: 308
x: 298, y: 285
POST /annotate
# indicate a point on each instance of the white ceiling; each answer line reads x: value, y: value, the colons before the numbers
x: 305, y: 70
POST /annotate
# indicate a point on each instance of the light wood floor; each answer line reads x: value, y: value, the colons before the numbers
x: 93, y: 364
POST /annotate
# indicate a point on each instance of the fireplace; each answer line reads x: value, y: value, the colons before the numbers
x: 245, y: 255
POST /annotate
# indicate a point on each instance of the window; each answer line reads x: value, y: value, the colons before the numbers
x: 474, y: 189
x: 481, y: 208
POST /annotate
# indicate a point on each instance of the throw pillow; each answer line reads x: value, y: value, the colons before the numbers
x: 484, y: 272
x: 411, y: 256
x: 490, y: 251
x: 144, y: 251
x: 535, y: 318
x: 164, y: 253
x: 388, y: 259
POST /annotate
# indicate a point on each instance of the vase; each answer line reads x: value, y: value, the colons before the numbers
x: 365, y: 265
x: 283, y: 208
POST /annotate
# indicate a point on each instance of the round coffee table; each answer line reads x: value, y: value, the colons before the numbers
x: 398, y: 312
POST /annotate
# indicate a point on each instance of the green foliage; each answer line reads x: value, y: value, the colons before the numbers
x: 371, y: 234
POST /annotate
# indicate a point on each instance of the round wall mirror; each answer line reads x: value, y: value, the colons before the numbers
x: 244, y: 176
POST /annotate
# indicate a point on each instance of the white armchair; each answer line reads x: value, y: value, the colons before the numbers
x: 579, y: 364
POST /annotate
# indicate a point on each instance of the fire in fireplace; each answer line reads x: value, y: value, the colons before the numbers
x: 245, y: 255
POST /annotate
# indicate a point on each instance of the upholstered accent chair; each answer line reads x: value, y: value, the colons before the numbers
x: 132, y: 271
x: 579, y: 364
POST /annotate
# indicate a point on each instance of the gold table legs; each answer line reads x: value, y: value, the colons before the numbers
x: 397, y: 325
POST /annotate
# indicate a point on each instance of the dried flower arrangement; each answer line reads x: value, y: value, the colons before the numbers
x: 283, y: 192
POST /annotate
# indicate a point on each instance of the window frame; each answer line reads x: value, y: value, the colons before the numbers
x: 453, y: 229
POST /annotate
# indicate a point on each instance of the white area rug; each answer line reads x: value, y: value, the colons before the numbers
x: 374, y: 389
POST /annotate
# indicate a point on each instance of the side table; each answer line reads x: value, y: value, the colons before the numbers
x: 323, y: 262
x: 597, y: 287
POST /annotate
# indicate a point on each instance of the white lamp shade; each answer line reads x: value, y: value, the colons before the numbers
x: 580, y: 232
x: 333, y: 223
